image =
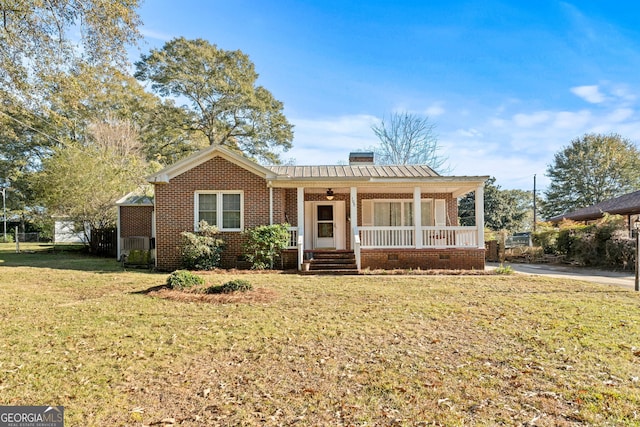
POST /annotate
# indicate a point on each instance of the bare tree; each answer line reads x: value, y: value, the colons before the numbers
x: 121, y: 136
x: 409, y: 139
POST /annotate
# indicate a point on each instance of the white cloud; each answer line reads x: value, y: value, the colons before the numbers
x: 469, y: 133
x: 511, y: 143
x: 435, y: 110
x: 156, y: 35
x: 624, y: 93
x: 590, y: 94
x: 572, y: 120
x: 529, y: 120
x: 620, y: 115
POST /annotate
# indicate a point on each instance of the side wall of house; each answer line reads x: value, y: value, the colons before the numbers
x: 136, y: 221
x: 175, y: 207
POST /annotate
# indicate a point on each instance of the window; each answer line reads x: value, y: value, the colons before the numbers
x: 222, y: 209
x: 392, y: 213
x: 388, y: 213
x: 397, y: 213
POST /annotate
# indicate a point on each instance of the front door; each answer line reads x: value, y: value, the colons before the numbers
x: 325, y: 226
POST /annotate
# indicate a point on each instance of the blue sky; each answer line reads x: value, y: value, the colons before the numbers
x: 507, y: 83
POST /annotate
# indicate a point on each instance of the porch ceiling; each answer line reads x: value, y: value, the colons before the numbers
x: 457, y: 190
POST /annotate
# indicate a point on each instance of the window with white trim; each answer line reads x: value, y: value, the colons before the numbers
x: 223, y: 209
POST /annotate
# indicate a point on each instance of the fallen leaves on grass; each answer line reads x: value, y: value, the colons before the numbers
x: 259, y: 295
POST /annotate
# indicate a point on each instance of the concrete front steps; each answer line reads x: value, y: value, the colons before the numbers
x: 331, y: 262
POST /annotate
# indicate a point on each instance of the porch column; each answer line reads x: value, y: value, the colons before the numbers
x: 417, y: 216
x: 301, y: 237
x: 300, y: 211
x: 270, y: 205
x: 353, y: 204
x: 480, y: 214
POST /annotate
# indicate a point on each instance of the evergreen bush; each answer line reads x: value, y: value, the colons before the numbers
x: 201, y: 250
x: 182, y: 279
x: 264, y: 244
x: 237, y: 285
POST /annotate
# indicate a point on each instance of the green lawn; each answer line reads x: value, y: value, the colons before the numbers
x: 356, y: 350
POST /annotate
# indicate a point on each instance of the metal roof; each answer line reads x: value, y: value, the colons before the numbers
x: 627, y: 204
x: 352, y: 171
x: 140, y: 197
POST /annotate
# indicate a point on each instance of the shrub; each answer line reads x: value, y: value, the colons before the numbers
x: 604, y: 243
x: 504, y: 269
x: 237, y: 285
x: 621, y: 252
x: 264, y: 244
x: 545, y: 238
x: 201, y: 250
x: 182, y: 279
x: 139, y: 257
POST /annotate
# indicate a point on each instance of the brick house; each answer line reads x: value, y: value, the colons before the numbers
x: 381, y: 216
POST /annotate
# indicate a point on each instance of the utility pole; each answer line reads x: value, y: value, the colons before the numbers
x: 534, y: 204
x: 4, y: 213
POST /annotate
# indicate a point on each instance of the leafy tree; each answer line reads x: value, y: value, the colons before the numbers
x: 166, y: 135
x: 408, y: 139
x: 503, y: 209
x: 86, y: 92
x: 38, y: 39
x: 82, y: 181
x: 40, y: 42
x: 221, y: 86
x: 591, y: 169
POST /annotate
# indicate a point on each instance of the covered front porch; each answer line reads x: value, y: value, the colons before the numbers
x: 389, y: 226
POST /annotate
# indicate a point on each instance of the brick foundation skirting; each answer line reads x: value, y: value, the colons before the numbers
x: 425, y: 259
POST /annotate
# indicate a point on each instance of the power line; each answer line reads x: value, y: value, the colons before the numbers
x: 32, y: 128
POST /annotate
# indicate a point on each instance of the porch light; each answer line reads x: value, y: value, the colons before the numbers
x: 330, y: 194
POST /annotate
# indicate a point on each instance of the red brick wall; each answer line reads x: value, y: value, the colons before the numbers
x: 425, y: 259
x: 175, y: 207
x: 291, y: 205
x: 136, y: 221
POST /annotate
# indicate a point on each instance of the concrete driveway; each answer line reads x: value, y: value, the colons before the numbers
x: 623, y: 279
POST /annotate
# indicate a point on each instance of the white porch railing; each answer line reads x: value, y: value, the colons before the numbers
x: 449, y: 237
x: 432, y: 237
x: 403, y: 237
x: 356, y: 247
x: 387, y: 237
x: 300, y: 251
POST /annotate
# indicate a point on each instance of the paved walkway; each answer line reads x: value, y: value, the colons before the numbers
x: 623, y: 279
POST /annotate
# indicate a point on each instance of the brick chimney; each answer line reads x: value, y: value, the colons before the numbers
x: 361, y: 158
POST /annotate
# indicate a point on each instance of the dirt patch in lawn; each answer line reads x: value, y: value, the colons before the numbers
x: 259, y: 295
